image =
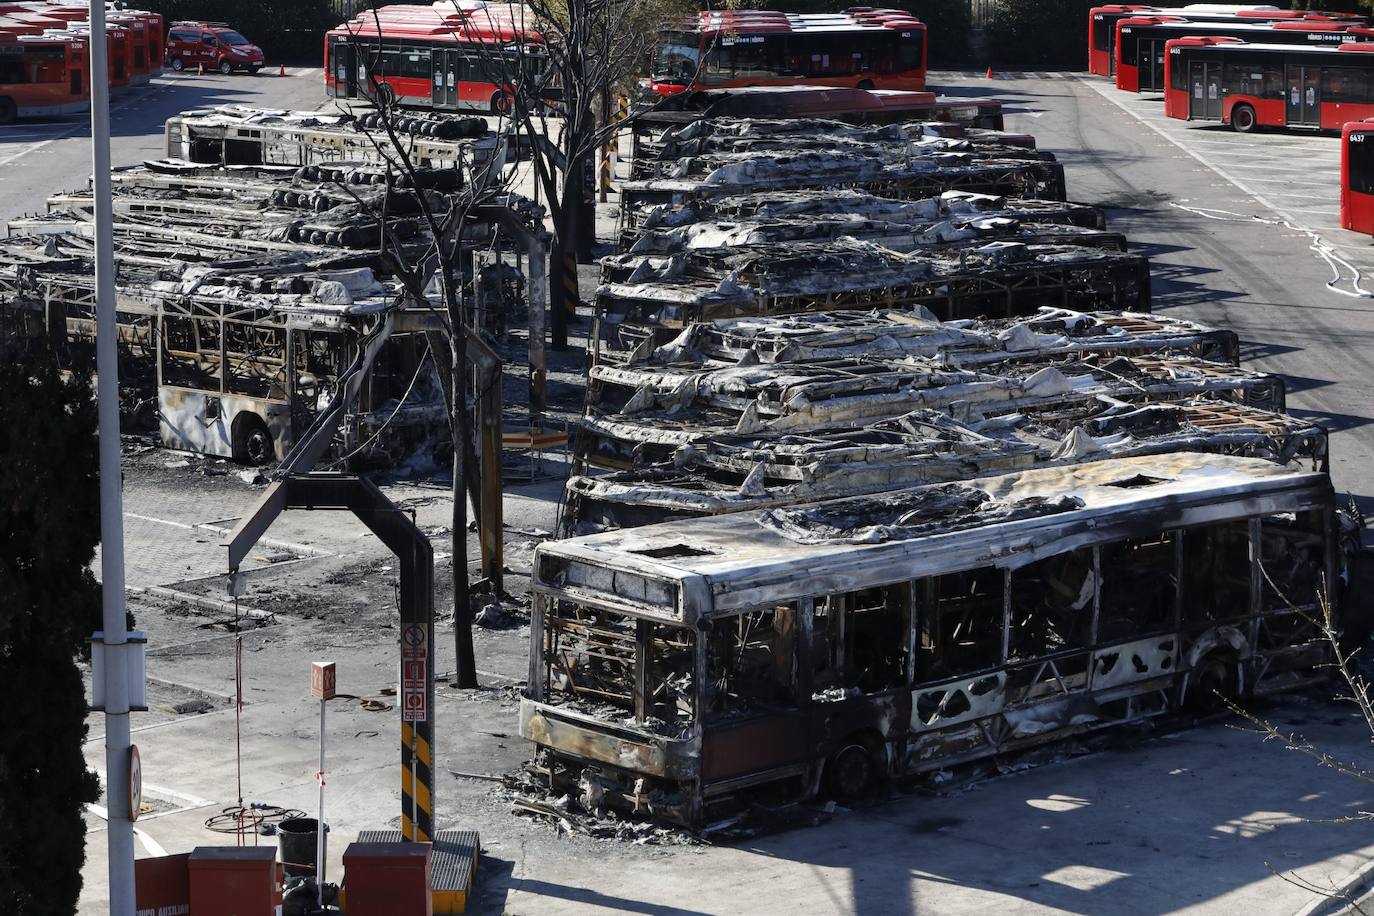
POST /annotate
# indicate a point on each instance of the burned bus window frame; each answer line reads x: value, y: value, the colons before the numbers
x: 984, y: 650
x: 1198, y: 579
x: 1125, y: 623
x: 849, y: 650
x: 645, y: 682
x: 1276, y: 589
x: 773, y: 652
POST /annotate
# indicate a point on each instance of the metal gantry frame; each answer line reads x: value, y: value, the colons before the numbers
x: 415, y: 557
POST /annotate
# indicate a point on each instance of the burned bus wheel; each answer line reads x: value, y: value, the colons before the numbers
x: 849, y: 773
x: 1211, y: 685
x: 252, y: 442
x: 1243, y: 118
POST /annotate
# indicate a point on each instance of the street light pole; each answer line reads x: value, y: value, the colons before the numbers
x: 120, y: 829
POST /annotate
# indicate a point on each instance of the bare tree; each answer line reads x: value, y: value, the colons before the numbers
x: 562, y: 58
x: 444, y: 217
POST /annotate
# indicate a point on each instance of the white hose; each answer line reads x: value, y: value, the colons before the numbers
x: 1323, y: 250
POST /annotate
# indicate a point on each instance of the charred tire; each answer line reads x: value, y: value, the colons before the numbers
x: 252, y: 441
x: 225, y: 67
x: 849, y: 773
x: 178, y: 64
x: 8, y: 110
x: 1243, y: 119
x: 502, y: 103
x: 1211, y: 684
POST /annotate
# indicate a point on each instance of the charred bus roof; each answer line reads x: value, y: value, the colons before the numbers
x: 689, y: 571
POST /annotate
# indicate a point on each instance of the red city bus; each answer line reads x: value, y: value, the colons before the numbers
x: 440, y: 57
x: 138, y: 46
x: 1254, y: 85
x: 1102, y: 23
x: 1140, y: 41
x: 42, y: 76
x: 1357, y: 176
x: 860, y: 48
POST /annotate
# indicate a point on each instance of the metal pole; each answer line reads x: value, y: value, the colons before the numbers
x: 319, y: 820
x: 120, y: 828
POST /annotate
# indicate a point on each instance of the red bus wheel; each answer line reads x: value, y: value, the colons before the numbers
x: 225, y: 67
x: 177, y: 64
x: 502, y: 103
x: 386, y: 96
x: 1243, y: 118
x: 864, y: 84
x: 8, y: 111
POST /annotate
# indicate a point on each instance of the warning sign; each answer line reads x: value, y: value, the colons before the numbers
x: 413, y: 695
x: 413, y: 707
x: 414, y: 641
x: 414, y: 673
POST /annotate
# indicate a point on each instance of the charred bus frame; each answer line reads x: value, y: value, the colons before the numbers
x: 824, y: 646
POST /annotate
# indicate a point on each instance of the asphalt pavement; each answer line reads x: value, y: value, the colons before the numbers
x: 39, y: 157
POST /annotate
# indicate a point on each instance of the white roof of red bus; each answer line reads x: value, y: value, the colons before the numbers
x: 761, y: 21
x: 1285, y: 25
x: 473, y: 20
x: 1203, y: 41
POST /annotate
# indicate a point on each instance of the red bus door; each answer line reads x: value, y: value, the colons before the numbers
x: 1150, y: 63
x: 446, y: 67
x: 1303, y: 105
x: 1204, y: 90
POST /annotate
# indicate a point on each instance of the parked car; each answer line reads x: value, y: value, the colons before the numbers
x: 212, y: 45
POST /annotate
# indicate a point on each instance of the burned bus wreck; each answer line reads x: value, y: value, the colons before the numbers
x: 1050, y: 333
x: 664, y: 224
x: 1014, y: 178
x: 962, y: 232
x: 654, y: 153
x: 655, y: 298
x: 738, y: 473
x: 234, y: 361
x: 819, y: 647
x: 287, y: 279
x: 849, y: 394
x: 723, y: 155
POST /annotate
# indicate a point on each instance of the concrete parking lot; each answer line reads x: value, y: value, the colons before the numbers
x: 41, y: 156
x: 1204, y: 820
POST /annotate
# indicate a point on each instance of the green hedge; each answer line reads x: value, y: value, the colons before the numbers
x: 49, y: 605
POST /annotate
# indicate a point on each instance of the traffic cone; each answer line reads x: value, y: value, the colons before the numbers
x: 282, y: 70
x: 201, y: 72
x: 989, y: 73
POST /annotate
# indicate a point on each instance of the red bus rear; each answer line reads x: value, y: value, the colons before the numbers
x: 1140, y: 41
x: 1264, y: 85
x: 428, y: 57
x: 1357, y: 177
x: 861, y: 48
x: 42, y: 76
x: 1103, y: 21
